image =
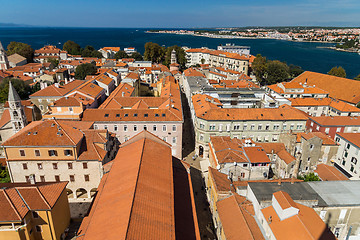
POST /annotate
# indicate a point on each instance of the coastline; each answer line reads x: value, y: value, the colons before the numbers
x: 342, y: 50
x: 237, y: 37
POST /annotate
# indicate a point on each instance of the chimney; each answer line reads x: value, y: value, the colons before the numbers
x: 292, y: 180
x: 279, y: 182
x: 32, y: 179
x: 56, y: 85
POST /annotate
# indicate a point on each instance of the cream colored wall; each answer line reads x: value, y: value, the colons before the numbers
x: 13, y: 153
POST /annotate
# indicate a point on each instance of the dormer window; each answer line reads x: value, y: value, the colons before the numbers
x: 106, y: 115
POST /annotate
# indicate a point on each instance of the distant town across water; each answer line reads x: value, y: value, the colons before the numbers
x: 310, y: 56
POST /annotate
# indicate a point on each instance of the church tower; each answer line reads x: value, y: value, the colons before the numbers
x: 17, y: 114
x: 173, y: 56
x: 4, y: 63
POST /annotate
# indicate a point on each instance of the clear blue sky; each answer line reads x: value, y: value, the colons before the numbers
x: 180, y: 13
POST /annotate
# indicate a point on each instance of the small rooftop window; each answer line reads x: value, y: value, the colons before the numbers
x: 106, y: 115
x: 126, y: 115
x: 117, y: 115
x: 146, y: 115
x: 163, y: 114
x: 135, y: 114
x: 156, y: 115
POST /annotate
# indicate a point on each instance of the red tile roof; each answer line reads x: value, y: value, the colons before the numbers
x: 334, y: 85
x: 16, y: 199
x: 329, y: 173
x: 354, y: 138
x: 336, y: 120
x: 60, y: 91
x: 237, y: 218
x: 140, y: 204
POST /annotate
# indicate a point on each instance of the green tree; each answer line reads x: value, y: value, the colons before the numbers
x: 154, y: 52
x: 259, y: 68
x: 22, y: 49
x: 310, y: 177
x: 85, y: 69
x: 137, y: 56
x: 180, y: 56
x: 53, y: 61
x: 72, y: 48
x: 276, y: 71
x: 23, y: 89
x: 357, y: 77
x: 295, y: 70
x: 338, y: 71
x: 120, y: 55
x: 4, y: 175
x: 90, y: 51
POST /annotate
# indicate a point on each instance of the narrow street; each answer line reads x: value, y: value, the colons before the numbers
x: 206, y: 226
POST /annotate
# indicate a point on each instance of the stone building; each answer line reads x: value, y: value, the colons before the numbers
x: 60, y: 150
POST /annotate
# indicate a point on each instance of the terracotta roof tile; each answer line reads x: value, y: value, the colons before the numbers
x: 331, y: 84
x: 329, y: 173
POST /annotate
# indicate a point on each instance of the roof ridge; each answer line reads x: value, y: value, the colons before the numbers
x: 67, y: 135
x: 42, y: 196
x: 137, y: 179
x: 11, y: 203
x: 16, y: 189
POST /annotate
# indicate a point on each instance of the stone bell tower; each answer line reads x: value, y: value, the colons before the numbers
x: 17, y: 114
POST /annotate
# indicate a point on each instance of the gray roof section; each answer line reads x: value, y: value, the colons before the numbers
x: 198, y: 84
x: 13, y: 95
x: 338, y: 193
x: 298, y: 191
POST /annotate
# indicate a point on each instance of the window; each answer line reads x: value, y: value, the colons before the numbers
x: 125, y: 139
x: 236, y: 127
x: 38, y: 228
x: 70, y: 166
x: 57, y: 178
x: 42, y: 178
x: 252, y: 127
x: 145, y: 127
x: 164, y: 139
x: 259, y: 127
x: 25, y: 166
x: 135, y: 114
x: 106, y: 115
x: 284, y: 126
x: 298, y: 127
x: 22, y: 153
x: 346, y: 154
x: 201, y: 138
x: 156, y: 114
x: 105, y: 127
x: 27, y: 179
x: 292, y: 127
x: 87, y: 178
x: 72, y: 178
x: 55, y: 166
x: 163, y: 115
x: 343, y: 162
x: 85, y: 165
x: 146, y: 115
x: 337, y: 139
x: 154, y: 128
x: 309, y: 159
x: 126, y: 115
x: 311, y: 146
x: 348, y: 146
x: 202, y: 126
x: 68, y: 152
x: 212, y: 127
x: 115, y: 127
x: 39, y: 166
x: 53, y: 153
x: 135, y: 128
x: 352, y: 168
x: 71, y: 109
x: 164, y: 128
x: 174, y: 140
x: 35, y: 214
x: 242, y: 175
x: 267, y: 127
x: 327, y: 130
x: 245, y: 165
x: 125, y: 128
x: 37, y: 153
x: 245, y: 127
x: 354, y: 160
x: 117, y: 115
x: 338, y: 129
x: 174, y: 128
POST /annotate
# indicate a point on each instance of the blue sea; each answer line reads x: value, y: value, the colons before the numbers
x: 310, y: 56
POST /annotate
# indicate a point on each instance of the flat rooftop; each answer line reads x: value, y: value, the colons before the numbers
x: 299, y: 191
x: 338, y: 193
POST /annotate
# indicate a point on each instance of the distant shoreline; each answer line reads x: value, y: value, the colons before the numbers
x: 238, y: 37
x: 342, y: 50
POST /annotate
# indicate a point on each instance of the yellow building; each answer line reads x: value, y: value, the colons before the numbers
x: 33, y: 211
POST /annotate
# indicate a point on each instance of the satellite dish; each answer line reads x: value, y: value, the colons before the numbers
x: 218, y: 167
x: 235, y: 163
